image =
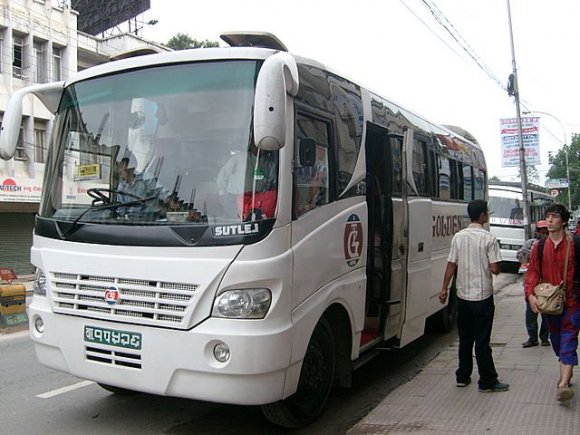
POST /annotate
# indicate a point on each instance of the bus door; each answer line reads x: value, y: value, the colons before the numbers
x: 380, y: 254
x: 417, y: 212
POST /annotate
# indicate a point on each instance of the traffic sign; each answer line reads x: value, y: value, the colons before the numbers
x: 554, y: 192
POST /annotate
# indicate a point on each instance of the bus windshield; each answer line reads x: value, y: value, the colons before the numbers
x: 168, y: 145
x: 506, y: 210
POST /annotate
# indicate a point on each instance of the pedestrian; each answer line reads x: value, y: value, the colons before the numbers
x: 523, y: 256
x: 475, y: 255
x: 577, y: 231
x: 563, y: 327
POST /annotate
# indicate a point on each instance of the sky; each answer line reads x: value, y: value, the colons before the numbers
x: 397, y: 49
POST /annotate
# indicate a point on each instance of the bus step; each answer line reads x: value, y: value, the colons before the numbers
x: 365, y: 358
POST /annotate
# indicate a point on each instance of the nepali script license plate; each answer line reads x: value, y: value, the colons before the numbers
x: 113, y: 337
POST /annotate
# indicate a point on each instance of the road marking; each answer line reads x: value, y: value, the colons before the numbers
x: 63, y: 390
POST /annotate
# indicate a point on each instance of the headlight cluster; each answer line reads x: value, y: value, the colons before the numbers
x: 252, y: 303
x: 40, y: 285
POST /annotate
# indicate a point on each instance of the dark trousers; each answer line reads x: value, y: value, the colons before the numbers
x: 474, y: 324
x: 532, y: 325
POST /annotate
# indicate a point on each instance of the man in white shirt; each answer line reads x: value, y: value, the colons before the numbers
x: 475, y: 255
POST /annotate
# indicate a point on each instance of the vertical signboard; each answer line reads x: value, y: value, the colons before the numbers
x: 510, y: 143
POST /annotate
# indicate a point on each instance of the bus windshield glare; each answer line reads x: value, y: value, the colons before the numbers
x: 170, y: 145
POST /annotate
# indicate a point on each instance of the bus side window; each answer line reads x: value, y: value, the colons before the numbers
x: 311, y: 184
x: 397, y: 155
x: 456, y: 180
x: 467, y: 183
x: 444, y: 177
x: 479, y: 185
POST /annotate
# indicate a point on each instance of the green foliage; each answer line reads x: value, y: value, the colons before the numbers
x: 558, y: 170
x: 181, y: 41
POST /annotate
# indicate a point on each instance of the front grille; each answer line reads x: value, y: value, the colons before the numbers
x: 140, y: 301
x: 113, y: 357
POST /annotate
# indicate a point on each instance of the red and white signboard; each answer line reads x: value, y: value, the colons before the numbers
x: 510, y: 141
x: 19, y: 189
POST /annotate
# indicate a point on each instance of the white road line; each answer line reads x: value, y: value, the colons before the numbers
x: 63, y: 390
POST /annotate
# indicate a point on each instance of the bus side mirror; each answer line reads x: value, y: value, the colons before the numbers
x: 307, y: 152
x: 277, y: 79
x: 50, y: 95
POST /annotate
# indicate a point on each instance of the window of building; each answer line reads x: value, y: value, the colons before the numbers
x: 56, y: 63
x: 20, y: 151
x: 17, y: 57
x: 39, y: 147
x: 40, y: 75
x: 311, y: 183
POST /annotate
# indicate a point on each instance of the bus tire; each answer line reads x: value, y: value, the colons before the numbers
x: 117, y: 390
x: 314, y: 385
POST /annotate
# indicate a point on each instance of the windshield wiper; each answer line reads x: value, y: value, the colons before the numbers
x: 113, y: 205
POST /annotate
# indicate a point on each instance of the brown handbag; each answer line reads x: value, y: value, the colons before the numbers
x: 551, y: 297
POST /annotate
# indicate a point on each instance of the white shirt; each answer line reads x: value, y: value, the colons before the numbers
x: 473, y: 249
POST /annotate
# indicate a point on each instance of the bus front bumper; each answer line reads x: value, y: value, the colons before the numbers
x: 169, y: 362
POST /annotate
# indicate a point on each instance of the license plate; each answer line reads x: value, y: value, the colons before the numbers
x: 113, y: 337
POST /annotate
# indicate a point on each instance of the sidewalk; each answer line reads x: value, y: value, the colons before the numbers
x: 431, y: 403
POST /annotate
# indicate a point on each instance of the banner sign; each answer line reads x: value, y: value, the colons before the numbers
x: 510, y: 143
x: 557, y: 183
x: 19, y: 189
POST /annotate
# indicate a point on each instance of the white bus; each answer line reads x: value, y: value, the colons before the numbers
x: 228, y: 281
x: 507, y: 221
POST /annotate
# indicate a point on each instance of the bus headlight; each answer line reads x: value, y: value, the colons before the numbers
x: 251, y: 303
x: 40, y: 284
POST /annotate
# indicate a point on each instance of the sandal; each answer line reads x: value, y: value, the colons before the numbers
x: 565, y: 394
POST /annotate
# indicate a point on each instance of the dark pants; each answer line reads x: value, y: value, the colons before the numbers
x: 532, y: 325
x: 474, y: 324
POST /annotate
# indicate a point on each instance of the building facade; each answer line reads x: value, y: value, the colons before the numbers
x: 39, y: 43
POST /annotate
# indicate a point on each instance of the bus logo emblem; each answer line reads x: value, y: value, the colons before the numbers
x: 111, y: 295
x: 353, y: 240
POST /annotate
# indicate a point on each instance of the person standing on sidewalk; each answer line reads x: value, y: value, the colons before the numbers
x: 563, y: 328
x: 475, y: 255
x: 523, y: 256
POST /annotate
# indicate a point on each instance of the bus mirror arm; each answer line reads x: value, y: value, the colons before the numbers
x: 277, y: 79
x: 49, y: 94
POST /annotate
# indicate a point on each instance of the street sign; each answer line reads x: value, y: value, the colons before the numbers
x: 554, y: 192
x: 557, y: 183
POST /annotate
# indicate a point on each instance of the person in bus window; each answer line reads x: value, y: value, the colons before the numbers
x: 523, y: 256
x: 317, y: 193
x: 517, y: 213
x: 475, y: 255
x: 246, y: 172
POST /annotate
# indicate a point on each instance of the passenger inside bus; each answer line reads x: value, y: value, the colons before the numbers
x: 133, y: 186
x: 517, y: 212
x: 249, y: 180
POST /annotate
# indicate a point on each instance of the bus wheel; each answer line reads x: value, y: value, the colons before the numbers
x: 117, y: 390
x: 316, y: 378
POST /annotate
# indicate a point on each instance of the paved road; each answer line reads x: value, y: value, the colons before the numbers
x: 36, y: 399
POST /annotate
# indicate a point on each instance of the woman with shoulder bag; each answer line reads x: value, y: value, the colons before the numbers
x: 558, y: 253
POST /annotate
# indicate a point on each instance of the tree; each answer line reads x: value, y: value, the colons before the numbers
x: 533, y: 174
x: 558, y: 170
x: 181, y: 41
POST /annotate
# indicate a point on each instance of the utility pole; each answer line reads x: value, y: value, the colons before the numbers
x: 523, y: 172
